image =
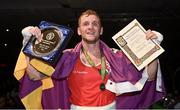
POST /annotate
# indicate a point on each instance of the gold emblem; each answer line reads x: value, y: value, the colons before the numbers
x: 50, y: 42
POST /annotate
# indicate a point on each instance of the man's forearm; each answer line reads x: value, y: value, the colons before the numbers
x: 152, y: 70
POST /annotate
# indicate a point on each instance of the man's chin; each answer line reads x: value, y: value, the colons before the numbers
x: 91, y: 41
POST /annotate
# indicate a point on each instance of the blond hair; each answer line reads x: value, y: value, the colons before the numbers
x: 89, y: 12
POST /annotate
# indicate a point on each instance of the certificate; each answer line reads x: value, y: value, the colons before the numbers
x: 132, y: 41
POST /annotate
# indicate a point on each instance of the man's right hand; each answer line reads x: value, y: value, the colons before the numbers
x: 29, y: 31
x: 35, y: 31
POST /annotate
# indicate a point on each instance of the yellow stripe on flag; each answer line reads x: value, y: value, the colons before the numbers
x: 42, y: 67
x: 33, y: 100
x: 20, y: 67
x: 47, y: 83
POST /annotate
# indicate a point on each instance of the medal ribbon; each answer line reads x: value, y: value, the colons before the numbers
x: 103, y: 71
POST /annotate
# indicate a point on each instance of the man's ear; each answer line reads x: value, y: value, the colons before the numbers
x: 78, y: 31
x: 101, y: 31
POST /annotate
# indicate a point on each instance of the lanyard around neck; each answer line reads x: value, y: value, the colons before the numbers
x: 102, y: 71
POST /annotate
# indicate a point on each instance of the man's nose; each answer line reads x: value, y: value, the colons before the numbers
x: 90, y: 26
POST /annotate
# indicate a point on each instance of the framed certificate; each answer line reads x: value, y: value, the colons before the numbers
x: 132, y: 41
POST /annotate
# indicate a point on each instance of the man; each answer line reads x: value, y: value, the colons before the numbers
x: 90, y: 76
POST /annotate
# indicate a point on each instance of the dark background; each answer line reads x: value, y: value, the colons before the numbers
x: 160, y: 15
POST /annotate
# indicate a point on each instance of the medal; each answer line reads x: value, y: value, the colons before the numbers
x: 102, y: 86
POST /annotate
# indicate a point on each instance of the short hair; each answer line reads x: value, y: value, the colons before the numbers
x: 88, y: 12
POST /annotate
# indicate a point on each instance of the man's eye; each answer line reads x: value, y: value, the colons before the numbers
x: 85, y: 24
x: 95, y: 23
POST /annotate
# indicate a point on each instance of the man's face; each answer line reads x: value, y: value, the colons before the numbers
x: 89, y: 28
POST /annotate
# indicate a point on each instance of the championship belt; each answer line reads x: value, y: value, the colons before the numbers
x: 54, y: 40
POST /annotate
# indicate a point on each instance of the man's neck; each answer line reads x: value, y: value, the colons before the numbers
x: 92, y: 49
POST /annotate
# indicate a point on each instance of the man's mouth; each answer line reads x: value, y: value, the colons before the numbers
x: 91, y: 33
